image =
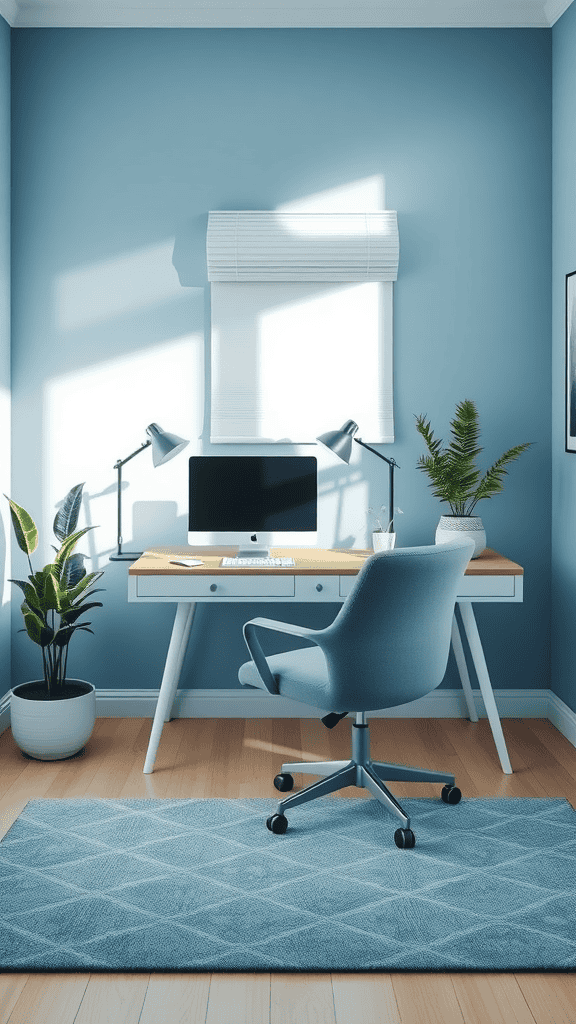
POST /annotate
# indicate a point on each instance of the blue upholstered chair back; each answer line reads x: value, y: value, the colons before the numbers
x: 390, y: 642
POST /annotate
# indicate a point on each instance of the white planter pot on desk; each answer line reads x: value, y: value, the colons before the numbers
x: 453, y: 527
x: 383, y: 541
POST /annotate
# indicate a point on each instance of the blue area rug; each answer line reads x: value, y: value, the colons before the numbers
x: 202, y: 885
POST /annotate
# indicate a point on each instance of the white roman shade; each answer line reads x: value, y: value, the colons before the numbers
x: 265, y: 245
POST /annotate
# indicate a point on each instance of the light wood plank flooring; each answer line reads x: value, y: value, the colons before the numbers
x: 234, y: 758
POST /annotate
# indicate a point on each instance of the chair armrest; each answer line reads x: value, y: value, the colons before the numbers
x: 256, y: 652
x: 284, y: 627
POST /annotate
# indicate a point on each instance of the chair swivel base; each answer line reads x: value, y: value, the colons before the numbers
x: 359, y: 771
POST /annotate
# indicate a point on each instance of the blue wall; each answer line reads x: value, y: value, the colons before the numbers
x: 5, y: 595
x: 563, y: 568
x: 124, y: 139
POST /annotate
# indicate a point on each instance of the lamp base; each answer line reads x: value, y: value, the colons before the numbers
x: 125, y: 556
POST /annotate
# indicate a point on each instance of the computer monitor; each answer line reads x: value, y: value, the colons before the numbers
x: 252, y: 502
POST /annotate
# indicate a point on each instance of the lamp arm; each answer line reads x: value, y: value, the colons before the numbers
x: 392, y: 464
x: 122, y: 462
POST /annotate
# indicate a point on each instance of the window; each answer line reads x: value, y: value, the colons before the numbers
x: 301, y: 324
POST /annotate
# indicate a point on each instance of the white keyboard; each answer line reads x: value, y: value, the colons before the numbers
x: 257, y: 563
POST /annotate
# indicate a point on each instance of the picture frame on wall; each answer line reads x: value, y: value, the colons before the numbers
x: 570, y: 322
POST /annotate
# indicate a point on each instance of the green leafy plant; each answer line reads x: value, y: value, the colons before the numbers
x: 452, y: 470
x: 57, y: 595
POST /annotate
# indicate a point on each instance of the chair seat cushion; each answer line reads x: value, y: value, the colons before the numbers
x: 301, y: 675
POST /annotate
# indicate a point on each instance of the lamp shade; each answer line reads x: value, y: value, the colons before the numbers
x: 164, y: 446
x: 340, y: 441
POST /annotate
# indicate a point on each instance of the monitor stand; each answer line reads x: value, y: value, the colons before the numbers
x: 252, y: 547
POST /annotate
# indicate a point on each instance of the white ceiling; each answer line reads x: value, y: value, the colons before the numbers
x: 283, y: 13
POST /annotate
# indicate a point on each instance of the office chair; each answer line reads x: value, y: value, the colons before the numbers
x: 388, y: 645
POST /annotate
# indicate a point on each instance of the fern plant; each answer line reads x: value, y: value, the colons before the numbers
x: 56, y: 596
x: 452, y: 470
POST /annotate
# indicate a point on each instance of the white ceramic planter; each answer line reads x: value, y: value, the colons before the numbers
x: 51, y: 730
x: 453, y: 527
x: 382, y: 541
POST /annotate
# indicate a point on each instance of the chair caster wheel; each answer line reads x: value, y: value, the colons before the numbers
x: 404, y: 838
x: 277, y: 823
x: 451, y: 795
x: 284, y: 782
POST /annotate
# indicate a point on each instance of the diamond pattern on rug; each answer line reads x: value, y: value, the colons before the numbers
x: 128, y: 885
x: 107, y: 871
x: 555, y: 916
x: 248, y: 874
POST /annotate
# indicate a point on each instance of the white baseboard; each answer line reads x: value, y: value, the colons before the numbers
x: 235, y: 703
x: 562, y: 717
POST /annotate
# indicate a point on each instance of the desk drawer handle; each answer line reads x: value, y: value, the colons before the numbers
x: 213, y: 587
x: 319, y: 587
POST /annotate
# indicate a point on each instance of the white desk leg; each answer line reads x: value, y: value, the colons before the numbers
x: 473, y: 637
x: 170, y: 678
x: 463, y: 670
x: 184, y: 633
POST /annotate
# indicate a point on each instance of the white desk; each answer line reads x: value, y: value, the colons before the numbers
x: 318, y: 576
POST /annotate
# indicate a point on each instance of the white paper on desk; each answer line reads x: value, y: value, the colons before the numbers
x: 188, y: 563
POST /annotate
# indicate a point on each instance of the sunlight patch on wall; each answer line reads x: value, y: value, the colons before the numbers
x: 111, y: 287
x: 343, y: 494
x: 288, y: 358
x: 361, y: 196
x: 323, y: 348
x: 345, y: 508
x: 342, y: 499
x: 119, y: 398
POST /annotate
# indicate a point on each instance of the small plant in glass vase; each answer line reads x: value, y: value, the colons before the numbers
x: 455, y: 478
x: 383, y: 538
x: 53, y: 717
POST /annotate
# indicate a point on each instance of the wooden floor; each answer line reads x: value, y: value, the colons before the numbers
x: 238, y: 758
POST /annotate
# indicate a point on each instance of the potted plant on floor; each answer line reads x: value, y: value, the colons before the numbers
x: 455, y: 478
x: 53, y: 717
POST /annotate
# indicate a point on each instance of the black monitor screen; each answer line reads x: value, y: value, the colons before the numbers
x: 245, y: 493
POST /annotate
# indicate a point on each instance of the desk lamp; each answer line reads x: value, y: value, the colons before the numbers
x: 340, y: 442
x: 164, y: 447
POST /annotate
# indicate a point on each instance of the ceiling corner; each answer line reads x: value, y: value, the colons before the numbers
x: 554, y: 9
x: 9, y: 10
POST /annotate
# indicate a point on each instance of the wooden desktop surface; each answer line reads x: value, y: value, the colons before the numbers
x: 309, y: 562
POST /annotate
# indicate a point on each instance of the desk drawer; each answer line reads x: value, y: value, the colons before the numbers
x: 317, y: 588
x: 346, y: 584
x: 225, y: 586
x: 487, y: 586
x: 471, y: 586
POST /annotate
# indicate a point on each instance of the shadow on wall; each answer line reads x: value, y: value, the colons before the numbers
x: 189, y: 255
x: 147, y: 524
x: 157, y: 522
